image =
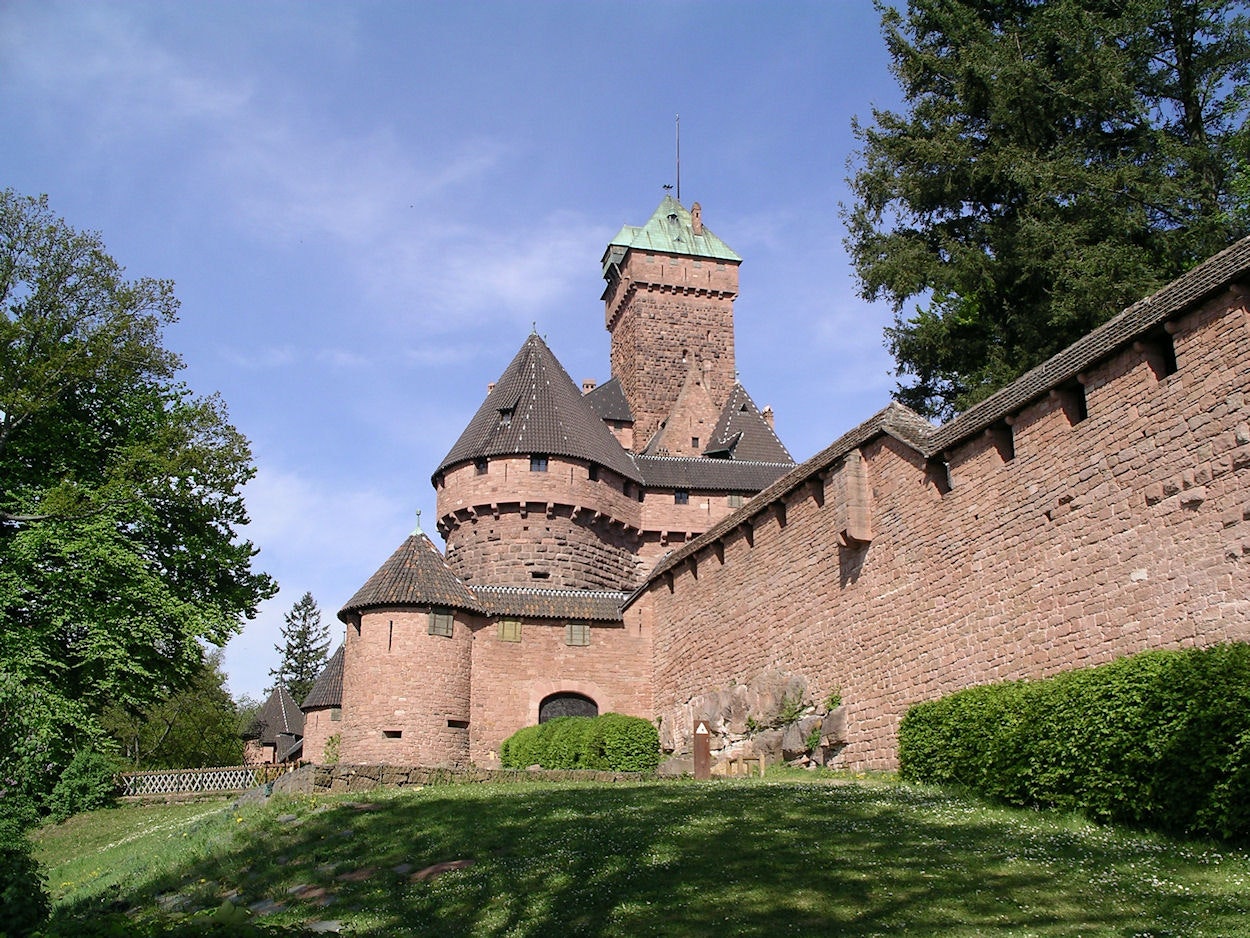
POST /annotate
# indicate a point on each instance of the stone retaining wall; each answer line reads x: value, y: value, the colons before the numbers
x: 336, y: 778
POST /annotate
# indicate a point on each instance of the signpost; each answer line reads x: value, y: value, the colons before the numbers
x: 702, y: 750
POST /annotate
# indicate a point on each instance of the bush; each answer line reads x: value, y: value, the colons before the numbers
x: 1160, y: 739
x: 523, y: 748
x: 625, y: 744
x: 86, y: 784
x: 24, y: 903
x: 611, y: 742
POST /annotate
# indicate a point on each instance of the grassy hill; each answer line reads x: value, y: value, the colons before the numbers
x: 772, y: 857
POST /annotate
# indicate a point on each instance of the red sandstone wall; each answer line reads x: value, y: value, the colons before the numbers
x: 397, y: 677
x: 318, y: 727
x: 1126, y: 531
x: 661, y: 308
x: 510, y: 679
x: 510, y: 526
x: 661, y: 513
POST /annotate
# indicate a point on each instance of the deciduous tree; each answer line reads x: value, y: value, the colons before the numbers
x: 1056, y: 161
x: 194, y: 727
x: 120, y: 491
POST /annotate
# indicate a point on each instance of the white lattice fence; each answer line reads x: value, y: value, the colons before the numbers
x: 179, y: 781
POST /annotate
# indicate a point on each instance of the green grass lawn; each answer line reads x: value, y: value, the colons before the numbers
x: 726, y: 858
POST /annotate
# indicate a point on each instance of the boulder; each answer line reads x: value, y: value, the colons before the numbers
x: 833, y: 730
x: 676, y: 765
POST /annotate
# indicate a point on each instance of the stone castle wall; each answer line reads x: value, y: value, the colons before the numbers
x: 406, y: 692
x: 511, y: 679
x: 560, y: 529
x: 557, y: 529
x: 319, y: 725
x: 1056, y: 540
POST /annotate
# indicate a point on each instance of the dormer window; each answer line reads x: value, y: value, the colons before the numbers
x: 505, y: 417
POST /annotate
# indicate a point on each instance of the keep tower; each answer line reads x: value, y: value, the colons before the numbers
x: 668, y: 305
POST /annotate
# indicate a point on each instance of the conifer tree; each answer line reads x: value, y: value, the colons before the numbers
x: 305, y: 643
x: 1055, y: 161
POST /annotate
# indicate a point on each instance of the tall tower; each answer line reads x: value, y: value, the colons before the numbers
x: 669, y: 307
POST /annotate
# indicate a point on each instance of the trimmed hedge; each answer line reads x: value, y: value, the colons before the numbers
x: 612, y: 742
x: 1160, y: 739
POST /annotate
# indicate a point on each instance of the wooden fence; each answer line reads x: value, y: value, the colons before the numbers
x: 183, y: 781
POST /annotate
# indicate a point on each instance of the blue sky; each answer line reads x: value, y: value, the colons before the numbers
x: 366, y: 205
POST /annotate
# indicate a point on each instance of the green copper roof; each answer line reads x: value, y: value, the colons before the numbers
x: 670, y: 231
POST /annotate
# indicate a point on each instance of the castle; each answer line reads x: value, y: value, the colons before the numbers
x: 646, y: 545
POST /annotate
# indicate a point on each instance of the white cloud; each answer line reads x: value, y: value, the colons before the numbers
x: 313, y: 537
x: 92, y: 58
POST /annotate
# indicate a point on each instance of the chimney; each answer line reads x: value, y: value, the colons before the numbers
x: 696, y: 219
x: 589, y: 385
x: 490, y: 387
x: 767, y: 414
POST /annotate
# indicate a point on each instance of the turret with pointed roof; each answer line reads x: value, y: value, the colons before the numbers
x: 535, y: 408
x: 554, y: 502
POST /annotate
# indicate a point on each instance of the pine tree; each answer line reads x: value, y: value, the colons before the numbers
x: 1056, y: 160
x: 304, y: 649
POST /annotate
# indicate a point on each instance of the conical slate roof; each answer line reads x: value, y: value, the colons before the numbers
x: 327, y: 690
x: 279, y: 717
x: 536, y: 408
x: 743, y: 433
x: 608, y: 401
x: 415, y: 575
x: 670, y: 230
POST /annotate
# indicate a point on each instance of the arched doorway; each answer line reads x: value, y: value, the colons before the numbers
x: 566, y: 704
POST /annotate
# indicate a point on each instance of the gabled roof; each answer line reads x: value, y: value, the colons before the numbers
x: 743, y: 433
x: 279, y: 717
x: 693, y: 408
x: 415, y: 575
x: 1142, y: 318
x: 608, y: 401
x: 536, y: 408
x: 669, y: 231
x: 327, y: 690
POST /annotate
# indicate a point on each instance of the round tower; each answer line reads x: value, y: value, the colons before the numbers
x: 537, y: 492
x: 406, y: 662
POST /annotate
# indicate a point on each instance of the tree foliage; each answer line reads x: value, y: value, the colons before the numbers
x: 191, y: 728
x: 120, y: 492
x: 1057, y: 160
x: 305, y: 644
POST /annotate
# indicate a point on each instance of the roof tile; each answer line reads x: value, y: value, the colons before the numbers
x: 536, y: 408
x: 599, y: 606
x: 327, y: 690
x: 670, y: 231
x: 416, y: 574
x: 743, y: 433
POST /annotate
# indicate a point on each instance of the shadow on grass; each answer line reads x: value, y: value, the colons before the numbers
x: 718, y: 859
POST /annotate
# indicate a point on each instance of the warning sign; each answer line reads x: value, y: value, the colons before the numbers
x: 702, y: 749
